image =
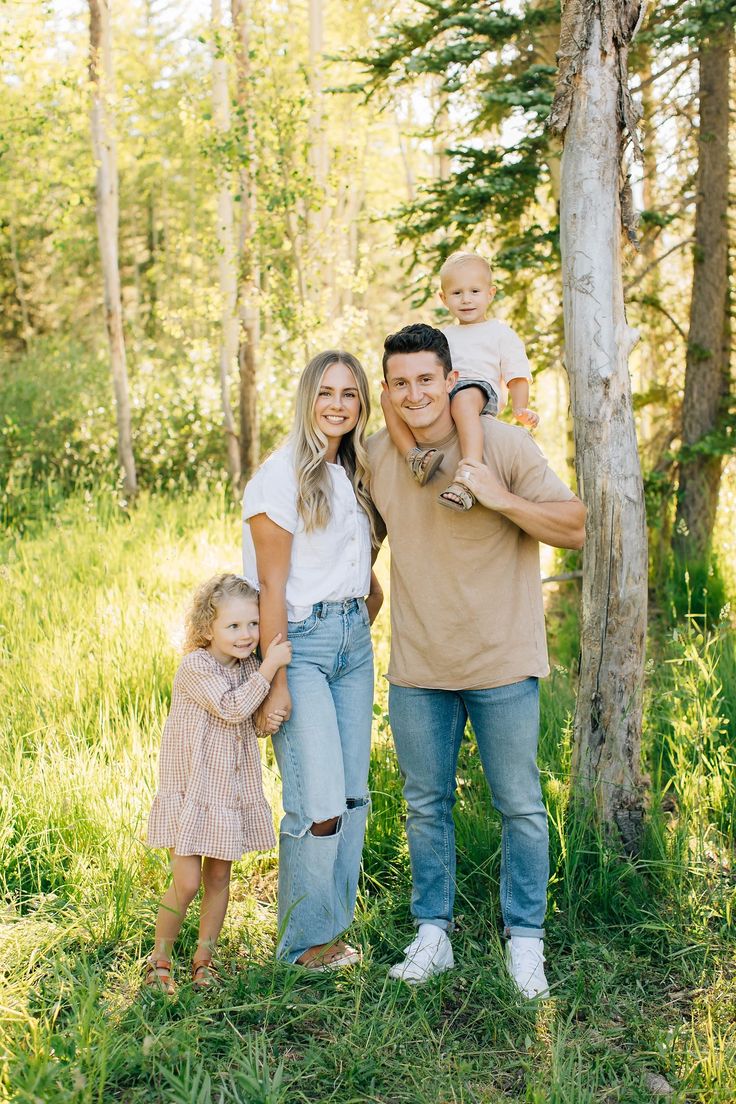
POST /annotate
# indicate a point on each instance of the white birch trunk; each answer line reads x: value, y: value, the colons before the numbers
x: 248, y: 280
x: 103, y: 145
x: 227, y: 260
x: 318, y: 154
x: 591, y: 112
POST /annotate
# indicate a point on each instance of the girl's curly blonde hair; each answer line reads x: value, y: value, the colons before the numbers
x: 205, y: 602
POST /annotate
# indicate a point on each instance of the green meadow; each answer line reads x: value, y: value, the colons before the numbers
x: 642, y: 951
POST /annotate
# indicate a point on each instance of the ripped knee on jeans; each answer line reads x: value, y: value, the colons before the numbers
x: 326, y: 827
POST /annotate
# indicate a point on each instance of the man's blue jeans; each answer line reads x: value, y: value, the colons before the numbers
x: 428, y: 727
x: 323, y: 752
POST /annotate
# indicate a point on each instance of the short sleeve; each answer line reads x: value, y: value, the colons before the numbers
x: 272, y: 491
x: 514, y: 363
x: 531, y: 476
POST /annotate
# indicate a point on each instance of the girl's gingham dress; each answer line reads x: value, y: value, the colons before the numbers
x: 210, y: 798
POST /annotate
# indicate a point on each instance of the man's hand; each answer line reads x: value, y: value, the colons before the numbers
x: 276, y: 705
x: 479, y: 479
x: 560, y: 524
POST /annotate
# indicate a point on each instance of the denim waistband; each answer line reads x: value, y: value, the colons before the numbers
x: 329, y: 609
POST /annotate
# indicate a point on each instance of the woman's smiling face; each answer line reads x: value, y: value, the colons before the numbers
x: 337, y: 406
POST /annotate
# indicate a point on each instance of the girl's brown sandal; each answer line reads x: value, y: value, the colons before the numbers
x: 204, y: 974
x: 158, y: 976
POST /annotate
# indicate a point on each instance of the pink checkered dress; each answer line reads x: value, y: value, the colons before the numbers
x: 210, y: 798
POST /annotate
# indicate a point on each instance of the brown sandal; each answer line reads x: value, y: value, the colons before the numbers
x: 463, y: 498
x: 204, y: 974
x: 424, y: 463
x: 158, y: 976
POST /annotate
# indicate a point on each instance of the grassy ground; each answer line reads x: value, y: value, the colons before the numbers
x: 642, y: 955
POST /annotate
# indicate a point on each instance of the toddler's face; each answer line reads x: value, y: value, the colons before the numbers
x: 467, y: 292
x: 235, y: 630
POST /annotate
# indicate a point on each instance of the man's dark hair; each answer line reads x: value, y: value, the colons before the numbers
x: 418, y: 338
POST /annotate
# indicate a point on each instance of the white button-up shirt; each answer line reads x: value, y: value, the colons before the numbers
x: 327, y: 565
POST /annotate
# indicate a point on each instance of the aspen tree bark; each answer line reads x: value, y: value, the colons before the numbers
x: 248, y: 275
x: 707, y: 366
x: 318, y: 153
x: 594, y: 114
x: 103, y: 145
x: 227, y: 263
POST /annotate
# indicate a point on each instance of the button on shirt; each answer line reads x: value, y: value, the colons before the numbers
x: 327, y: 565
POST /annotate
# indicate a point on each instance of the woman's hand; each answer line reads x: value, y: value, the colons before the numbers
x: 277, y: 703
x: 374, y: 601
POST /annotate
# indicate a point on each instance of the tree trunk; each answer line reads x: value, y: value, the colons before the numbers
x: 227, y: 265
x: 248, y: 280
x: 103, y: 144
x: 706, y: 371
x: 592, y: 110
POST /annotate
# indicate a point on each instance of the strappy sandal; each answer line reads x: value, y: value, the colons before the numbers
x: 158, y: 976
x: 463, y: 498
x: 424, y: 463
x: 204, y: 974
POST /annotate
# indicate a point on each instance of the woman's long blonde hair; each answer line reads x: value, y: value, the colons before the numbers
x: 310, y: 445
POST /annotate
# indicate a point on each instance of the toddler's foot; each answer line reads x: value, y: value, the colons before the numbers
x: 424, y: 463
x: 457, y: 497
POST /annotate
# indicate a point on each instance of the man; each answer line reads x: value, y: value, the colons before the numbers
x: 467, y: 640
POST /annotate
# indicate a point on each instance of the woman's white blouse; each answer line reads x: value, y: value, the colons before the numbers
x: 327, y: 565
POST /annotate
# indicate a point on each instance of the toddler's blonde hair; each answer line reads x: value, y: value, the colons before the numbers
x: 462, y: 257
x: 205, y: 602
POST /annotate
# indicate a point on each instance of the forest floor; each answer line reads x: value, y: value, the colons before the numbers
x: 642, y: 952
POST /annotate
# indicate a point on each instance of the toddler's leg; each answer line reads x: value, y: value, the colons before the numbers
x: 422, y: 462
x: 398, y: 430
x: 216, y: 880
x: 185, y: 870
x: 465, y: 408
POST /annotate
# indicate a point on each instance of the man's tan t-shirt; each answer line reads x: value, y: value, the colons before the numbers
x: 466, y: 596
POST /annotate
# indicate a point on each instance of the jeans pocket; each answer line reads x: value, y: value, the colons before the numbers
x: 302, y: 628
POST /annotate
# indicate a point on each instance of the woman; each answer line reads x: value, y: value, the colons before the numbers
x: 308, y: 531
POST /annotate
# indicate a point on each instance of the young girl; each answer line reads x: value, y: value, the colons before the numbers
x: 210, y: 807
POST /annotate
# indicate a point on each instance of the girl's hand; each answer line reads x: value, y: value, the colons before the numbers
x: 272, y: 723
x: 278, y: 655
x: 278, y: 702
x: 278, y: 652
x: 527, y: 417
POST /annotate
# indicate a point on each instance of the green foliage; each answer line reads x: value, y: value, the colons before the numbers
x: 639, y: 951
x: 492, y: 66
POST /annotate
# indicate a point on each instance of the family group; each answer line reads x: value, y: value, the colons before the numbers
x: 467, y: 643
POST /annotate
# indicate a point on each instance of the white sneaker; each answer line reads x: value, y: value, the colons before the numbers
x: 429, y: 954
x: 525, y: 963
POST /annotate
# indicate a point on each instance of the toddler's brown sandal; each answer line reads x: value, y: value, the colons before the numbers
x: 424, y: 463
x: 457, y: 497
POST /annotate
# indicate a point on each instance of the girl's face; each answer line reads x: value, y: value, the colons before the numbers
x: 337, y: 406
x: 234, y: 633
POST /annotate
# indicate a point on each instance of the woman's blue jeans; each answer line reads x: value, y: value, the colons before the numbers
x: 323, y: 752
x: 428, y: 726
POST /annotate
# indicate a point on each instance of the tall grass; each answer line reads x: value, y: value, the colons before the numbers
x: 641, y: 953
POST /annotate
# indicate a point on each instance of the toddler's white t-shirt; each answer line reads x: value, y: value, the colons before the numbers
x: 490, y: 351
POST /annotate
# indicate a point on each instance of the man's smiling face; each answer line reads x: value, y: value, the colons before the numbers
x: 419, y: 392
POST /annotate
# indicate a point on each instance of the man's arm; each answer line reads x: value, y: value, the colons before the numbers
x: 561, y: 524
